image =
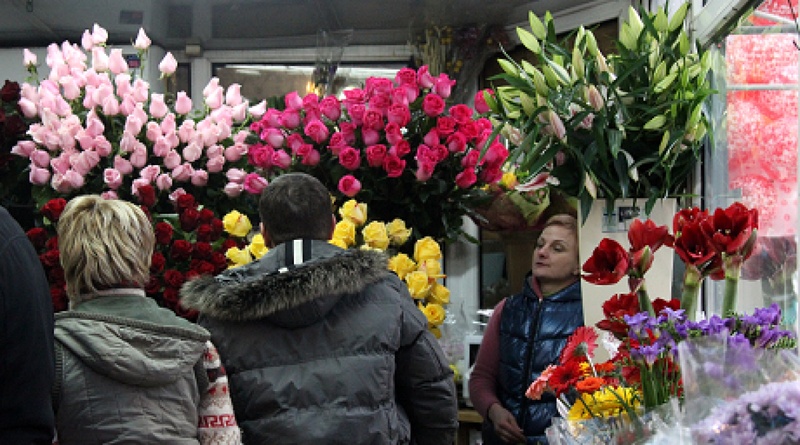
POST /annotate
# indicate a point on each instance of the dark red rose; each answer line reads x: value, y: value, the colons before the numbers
x: 51, y: 243
x: 59, y: 297
x: 189, y: 219
x: 147, y: 212
x: 608, y: 264
x: 181, y: 250
x: 171, y: 296
x: 147, y: 195
x: 153, y: 286
x: 38, y: 237
x: 205, y: 233
x: 227, y: 244
x: 218, y: 228
x: 206, y: 216
x: 202, y: 267
x: 158, y: 262
x: 185, y: 201
x: 53, y: 209
x: 50, y: 258
x: 14, y: 126
x: 202, y: 250
x: 164, y: 233
x: 10, y: 92
x: 55, y: 275
x: 174, y: 278
x: 220, y: 262
x: 191, y: 275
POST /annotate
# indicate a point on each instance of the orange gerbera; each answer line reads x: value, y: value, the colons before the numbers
x: 590, y: 384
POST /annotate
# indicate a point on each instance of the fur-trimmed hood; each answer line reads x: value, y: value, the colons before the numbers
x: 290, y: 295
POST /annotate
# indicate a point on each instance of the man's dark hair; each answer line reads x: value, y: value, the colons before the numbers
x: 296, y: 206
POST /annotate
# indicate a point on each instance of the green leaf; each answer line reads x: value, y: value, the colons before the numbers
x: 562, y: 76
x: 509, y: 67
x: 656, y: 122
x: 536, y: 26
x: 678, y: 16
x: 529, y: 40
x: 665, y: 82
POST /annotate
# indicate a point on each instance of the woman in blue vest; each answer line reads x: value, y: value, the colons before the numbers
x: 526, y: 334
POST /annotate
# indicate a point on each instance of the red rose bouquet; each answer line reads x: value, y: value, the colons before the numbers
x: 395, y: 145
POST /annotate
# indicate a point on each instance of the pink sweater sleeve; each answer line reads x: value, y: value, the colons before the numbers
x: 483, y: 379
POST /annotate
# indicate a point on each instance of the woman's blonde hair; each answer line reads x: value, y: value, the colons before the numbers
x: 104, y: 244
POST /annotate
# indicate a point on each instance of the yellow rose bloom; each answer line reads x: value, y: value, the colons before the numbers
x: 398, y: 233
x: 418, y: 285
x: 345, y: 231
x: 237, y: 224
x: 354, y: 211
x: 435, y: 331
x: 434, y: 313
x: 375, y: 235
x: 402, y: 265
x: 257, y: 246
x: 439, y: 294
x: 338, y: 243
x: 238, y: 257
x: 431, y: 267
x: 427, y: 248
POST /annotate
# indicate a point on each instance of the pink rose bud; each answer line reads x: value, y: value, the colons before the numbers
x: 480, y: 101
x: 168, y: 65
x: 99, y: 34
x: 158, y: 108
x: 254, y: 184
x: 116, y: 63
x: 199, y: 178
x: 112, y: 178
x: 183, y: 104
x: 99, y: 59
x: 29, y: 59
x: 142, y: 41
x: 24, y: 148
x: 293, y: 101
x: 349, y: 185
x: 39, y: 176
x: 109, y: 195
x: 258, y: 110
x: 233, y: 96
x: 232, y: 189
x: 86, y: 40
x: 163, y: 182
x: 122, y: 165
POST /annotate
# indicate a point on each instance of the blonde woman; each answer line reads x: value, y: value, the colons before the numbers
x: 127, y: 370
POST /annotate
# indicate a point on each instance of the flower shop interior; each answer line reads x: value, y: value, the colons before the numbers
x: 615, y: 111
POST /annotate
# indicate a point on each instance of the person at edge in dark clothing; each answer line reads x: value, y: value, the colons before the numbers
x: 525, y: 334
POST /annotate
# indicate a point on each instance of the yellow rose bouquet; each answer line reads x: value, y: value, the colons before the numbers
x: 421, y: 273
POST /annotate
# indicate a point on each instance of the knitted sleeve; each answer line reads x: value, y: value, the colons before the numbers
x: 217, y: 423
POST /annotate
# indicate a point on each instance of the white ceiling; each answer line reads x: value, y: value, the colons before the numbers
x: 251, y: 24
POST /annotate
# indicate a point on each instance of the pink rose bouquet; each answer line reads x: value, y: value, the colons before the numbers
x: 395, y: 144
x: 98, y: 128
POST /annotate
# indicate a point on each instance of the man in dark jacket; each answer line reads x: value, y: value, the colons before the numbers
x: 26, y: 340
x: 323, y: 345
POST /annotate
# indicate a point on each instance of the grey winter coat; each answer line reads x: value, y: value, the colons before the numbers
x: 126, y: 373
x: 329, y: 350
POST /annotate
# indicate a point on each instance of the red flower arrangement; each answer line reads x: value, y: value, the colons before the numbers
x: 189, y: 243
x: 394, y: 145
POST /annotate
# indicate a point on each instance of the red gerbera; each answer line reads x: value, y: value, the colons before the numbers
x: 565, y: 376
x: 580, y: 344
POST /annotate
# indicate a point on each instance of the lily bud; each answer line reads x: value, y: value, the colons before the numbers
x: 594, y: 98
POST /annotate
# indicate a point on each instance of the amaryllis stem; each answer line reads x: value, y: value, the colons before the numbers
x: 691, y: 288
x: 733, y: 269
x: 644, y: 300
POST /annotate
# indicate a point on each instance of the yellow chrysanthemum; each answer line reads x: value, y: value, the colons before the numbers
x: 237, y: 224
x: 375, y: 235
x: 426, y: 249
x: 402, y: 265
x: 345, y: 232
x: 418, y: 285
x: 606, y: 402
x: 439, y: 294
x: 238, y: 257
x: 398, y: 232
x: 435, y: 313
x: 354, y: 211
x: 257, y: 246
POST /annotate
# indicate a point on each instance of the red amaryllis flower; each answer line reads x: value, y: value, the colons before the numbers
x: 731, y: 231
x: 53, y: 209
x: 608, y: 264
x: 659, y: 304
x: 614, y: 309
x: 693, y: 246
x: 687, y: 216
x: 647, y: 233
x: 581, y: 344
x: 565, y: 376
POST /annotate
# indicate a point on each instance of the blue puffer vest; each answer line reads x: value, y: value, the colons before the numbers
x: 532, y: 335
